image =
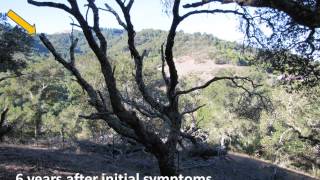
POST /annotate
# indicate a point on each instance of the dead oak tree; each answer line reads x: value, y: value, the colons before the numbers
x: 123, y: 120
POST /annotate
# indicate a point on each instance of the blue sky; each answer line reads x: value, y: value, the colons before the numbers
x: 146, y: 14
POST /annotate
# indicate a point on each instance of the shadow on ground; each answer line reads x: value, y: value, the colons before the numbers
x: 45, y: 162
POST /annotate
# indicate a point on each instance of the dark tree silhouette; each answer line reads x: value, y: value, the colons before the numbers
x: 4, y: 128
x: 131, y: 122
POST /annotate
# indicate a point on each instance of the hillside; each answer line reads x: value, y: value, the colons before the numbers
x: 257, y: 125
x: 199, y: 46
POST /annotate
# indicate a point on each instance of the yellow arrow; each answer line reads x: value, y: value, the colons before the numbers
x: 20, y: 21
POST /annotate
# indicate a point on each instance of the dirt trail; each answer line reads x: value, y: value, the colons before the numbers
x: 43, y: 161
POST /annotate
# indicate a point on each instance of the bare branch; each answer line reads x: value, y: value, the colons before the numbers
x: 95, y: 116
x: 102, y: 99
x: 121, y: 128
x: 212, y: 12
x: 192, y: 110
x: 84, y: 84
x: 141, y: 108
x: 190, y: 137
x: 101, y: 56
x: 96, y: 26
x: 138, y: 59
x: 125, y: 122
x: 113, y: 122
x: 198, y: 4
x: 112, y: 11
x: 51, y: 4
x: 164, y: 76
x: 74, y: 43
x: 76, y: 25
x: 214, y: 79
x: 129, y: 5
x: 169, y: 52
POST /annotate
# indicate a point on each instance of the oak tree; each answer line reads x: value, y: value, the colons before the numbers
x: 126, y: 116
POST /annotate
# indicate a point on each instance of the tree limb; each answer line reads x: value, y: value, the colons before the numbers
x: 84, y: 84
x: 112, y: 11
x: 169, y: 53
x: 300, y: 13
x: 51, y: 4
x: 74, y: 43
x: 95, y: 116
x: 96, y: 26
x: 214, y: 79
x: 138, y: 59
x: 192, y: 110
x: 212, y: 12
x: 163, y: 60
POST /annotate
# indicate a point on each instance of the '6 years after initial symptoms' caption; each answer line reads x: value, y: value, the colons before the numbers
x: 116, y: 176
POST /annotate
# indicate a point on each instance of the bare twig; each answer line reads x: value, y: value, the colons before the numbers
x: 215, y: 79
x: 112, y: 11
x: 192, y: 110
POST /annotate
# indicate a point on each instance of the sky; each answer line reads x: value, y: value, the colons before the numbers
x: 146, y: 14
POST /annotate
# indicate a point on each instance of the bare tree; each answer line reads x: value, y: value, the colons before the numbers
x: 131, y: 122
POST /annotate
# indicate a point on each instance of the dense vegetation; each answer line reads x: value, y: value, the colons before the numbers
x: 275, y: 127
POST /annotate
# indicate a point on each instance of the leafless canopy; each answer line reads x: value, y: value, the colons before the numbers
x: 123, y: 120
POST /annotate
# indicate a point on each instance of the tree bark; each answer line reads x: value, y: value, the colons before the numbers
x: 4, y: 129
x: 167, y: 164
x: 37, y: 124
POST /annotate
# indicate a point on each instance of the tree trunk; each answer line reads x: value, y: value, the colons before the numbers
x: 3, y: 129
x: 1, y: 138
x: 37, y: 124
x: 167, y: 164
